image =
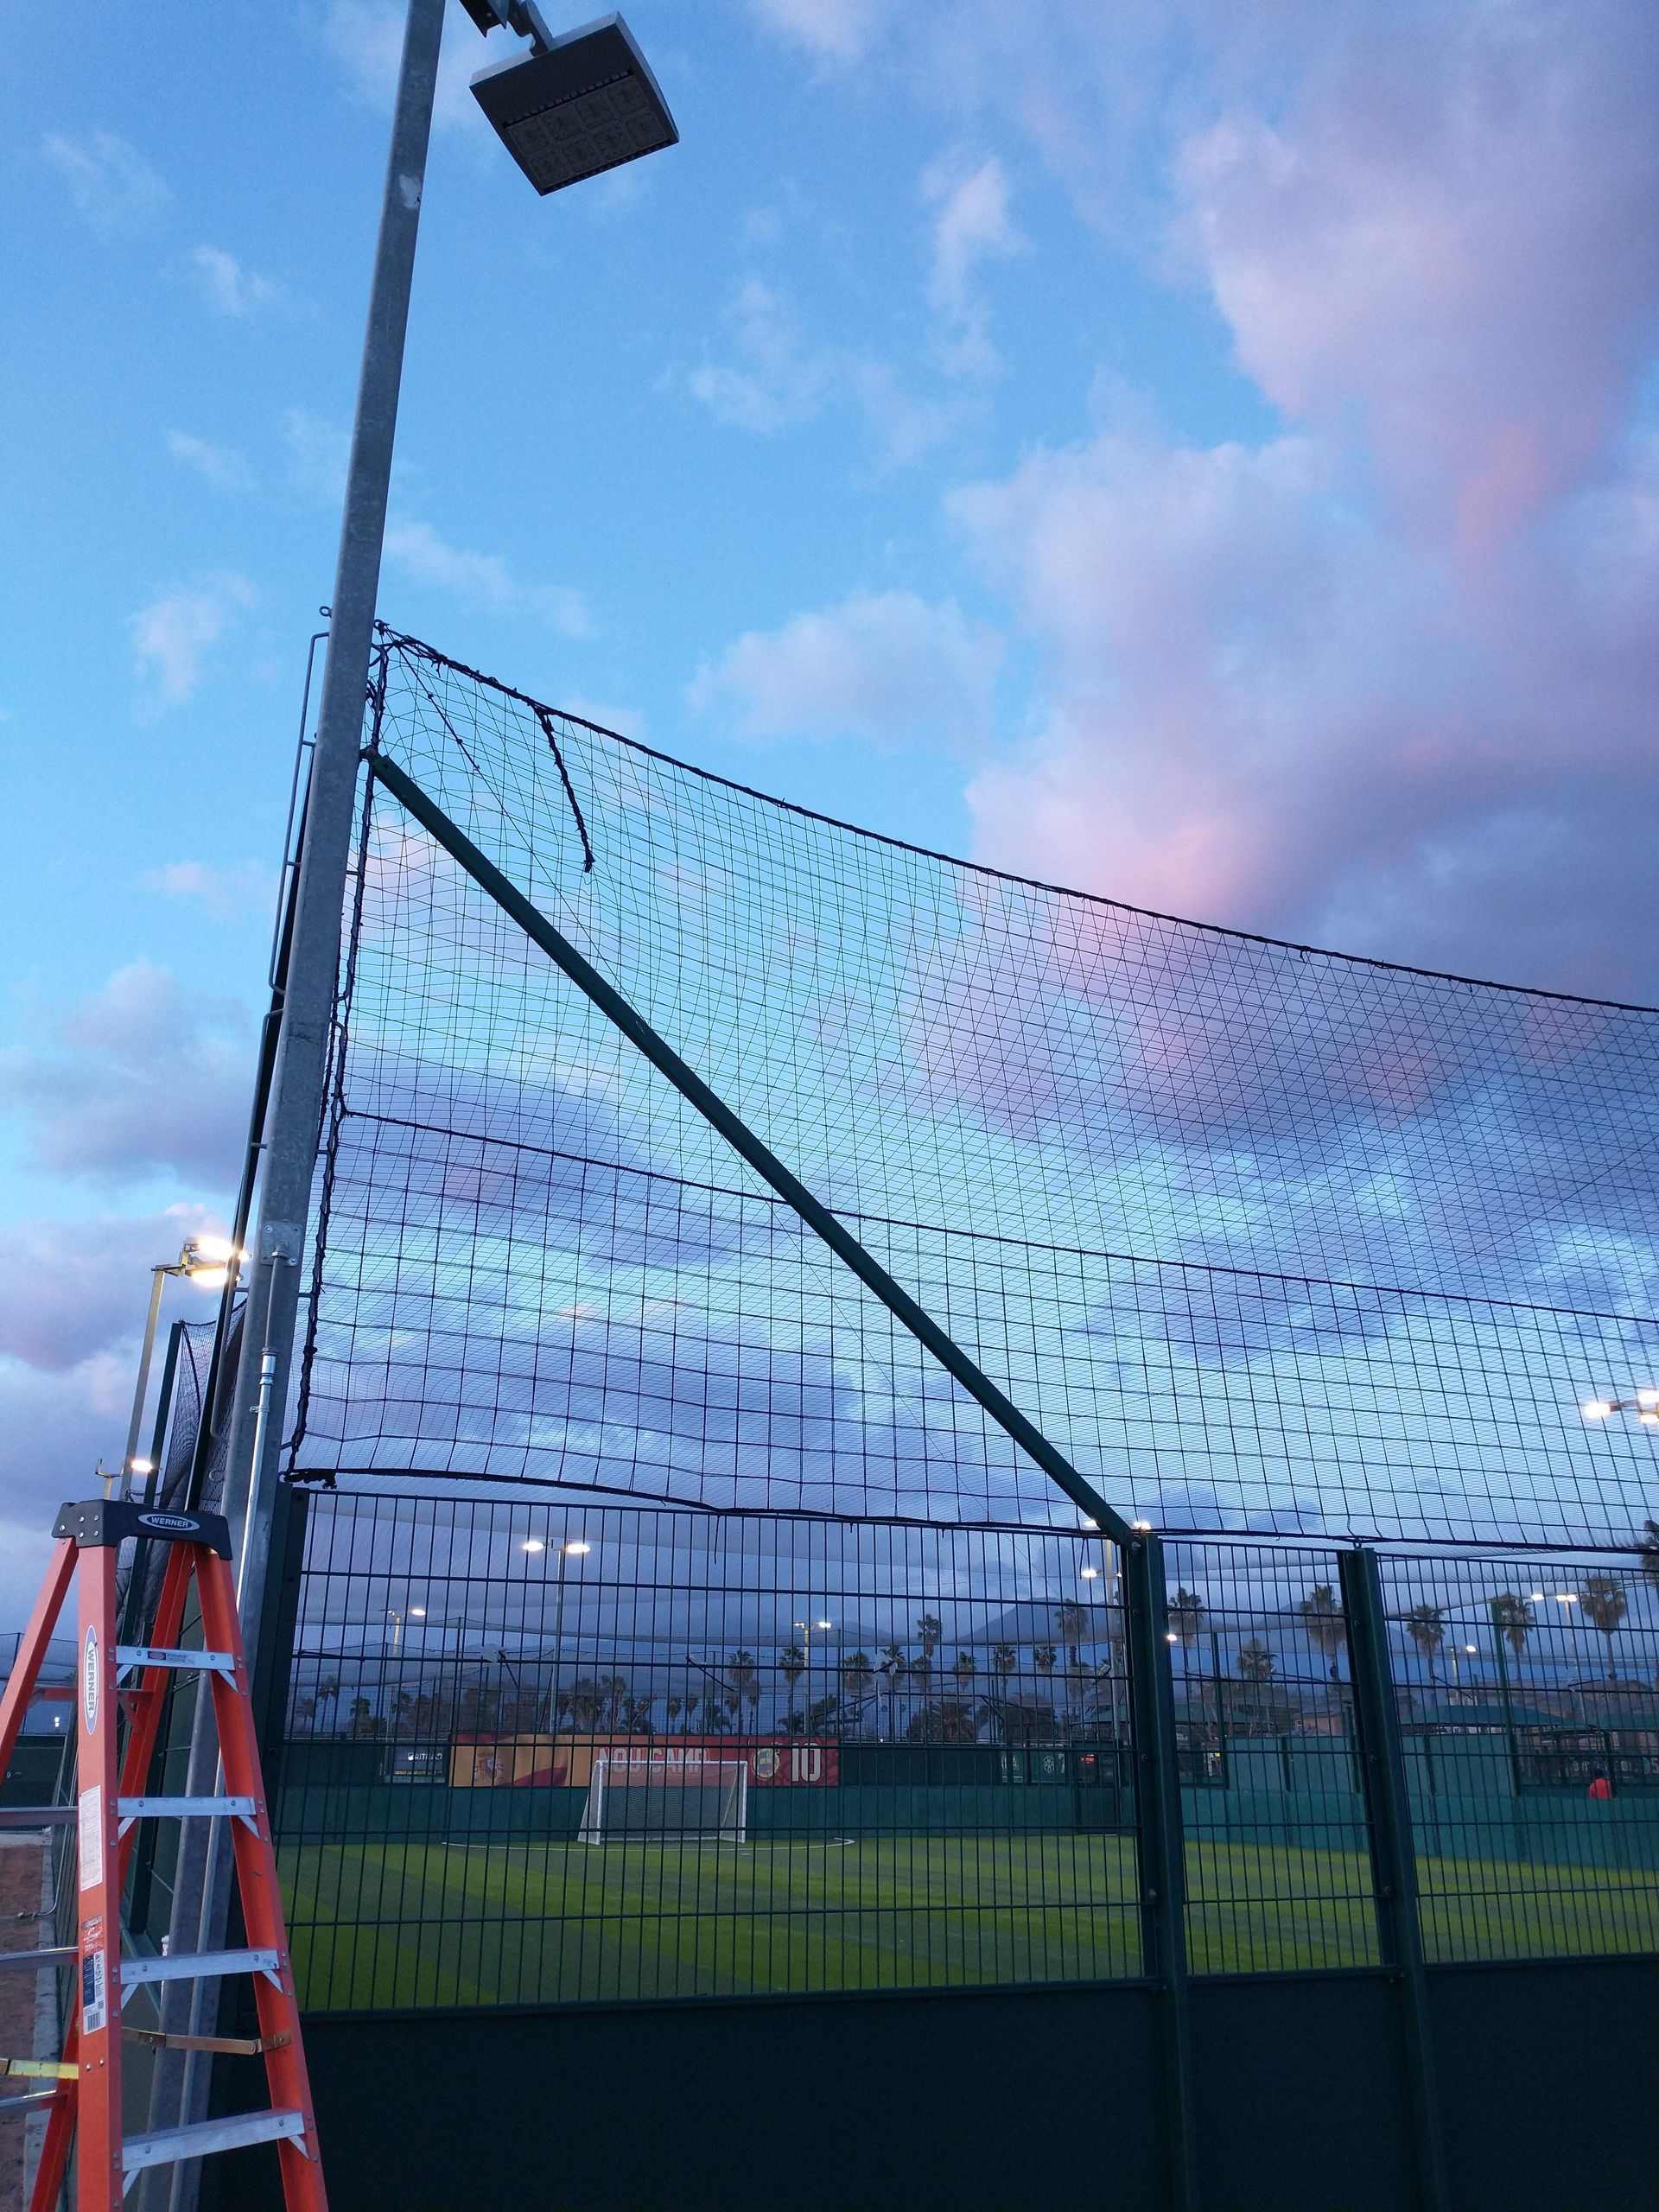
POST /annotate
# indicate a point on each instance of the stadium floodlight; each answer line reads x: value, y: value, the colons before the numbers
x: 573, y: 106
x: 1644, y: 1404
x: 576, y: 1549
x: 1090, y: 1574
x: 532, y: 1544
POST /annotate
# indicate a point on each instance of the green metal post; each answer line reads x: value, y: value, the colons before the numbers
x: 1160, y: 1851
x: 1394, y: 1861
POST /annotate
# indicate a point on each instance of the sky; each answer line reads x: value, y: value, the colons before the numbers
x: 1206, y: 457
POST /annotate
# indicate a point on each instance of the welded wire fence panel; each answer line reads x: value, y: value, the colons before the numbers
x: 1268, y: 1238
x: 1278, y: 1860
x: 1525, y: 1692
x: 702, y: 1754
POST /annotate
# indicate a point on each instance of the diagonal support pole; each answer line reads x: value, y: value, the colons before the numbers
x: 743, y: 1140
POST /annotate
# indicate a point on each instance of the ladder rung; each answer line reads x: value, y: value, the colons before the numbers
x: 58, y: 1955
x: 36, y: 1816
x: 201, y: 2138
x: 44, y: 2070
x: 35, y: 2097
x: 193, y: 1966
x: 185, y: 1808
x: 160, y: 1655
x: 231, y: 2046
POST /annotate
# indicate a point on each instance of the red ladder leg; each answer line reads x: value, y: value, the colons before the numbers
x: 31, y: 1647
x: 256, y: 1871
x: 98, y: 2179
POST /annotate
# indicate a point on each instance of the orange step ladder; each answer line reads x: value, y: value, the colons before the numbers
x: 117, y: 1727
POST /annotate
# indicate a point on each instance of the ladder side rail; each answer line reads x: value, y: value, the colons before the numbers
x: 32, y: 1647
x: 143, y: 1726
x: 278, y: 2008
x: 100, y: 2181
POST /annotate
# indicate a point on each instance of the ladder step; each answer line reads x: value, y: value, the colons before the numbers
x: 201, y: 2138
x: 57, y: 1955
x: 23, y: 2104
x: 193, y: 1966
x: 186, y: 1808
x: 160, y: 1655
x: 45, y: 2070
x: 36, y: 1816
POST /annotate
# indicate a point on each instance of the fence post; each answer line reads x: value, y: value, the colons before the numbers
x: 1162, y: 1866
x: 1394, y: 1862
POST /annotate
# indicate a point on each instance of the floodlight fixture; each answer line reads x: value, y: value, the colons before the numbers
x: 532, y: 1544
x: 1089, y: 1573
x: 575, y: 105
x: 576, y: 1549
x: 1644, y: 1404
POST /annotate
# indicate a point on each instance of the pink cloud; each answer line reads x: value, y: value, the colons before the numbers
x: 1265, y: 708
x: 1447, y: 226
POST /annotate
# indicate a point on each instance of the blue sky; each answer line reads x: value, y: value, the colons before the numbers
x: 1209, y: 463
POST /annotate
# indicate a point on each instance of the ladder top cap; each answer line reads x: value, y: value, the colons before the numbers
x: 99, y: 1522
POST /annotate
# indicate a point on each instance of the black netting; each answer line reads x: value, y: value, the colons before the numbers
x: 1261, y: 1237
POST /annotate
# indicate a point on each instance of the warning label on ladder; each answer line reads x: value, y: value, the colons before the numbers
x: 91, y: 1836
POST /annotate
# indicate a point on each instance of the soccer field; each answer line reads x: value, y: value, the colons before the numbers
x: 416, y: 1922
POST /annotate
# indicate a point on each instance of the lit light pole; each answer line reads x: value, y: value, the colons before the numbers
x: 572, y: 1548
x: 806, y: 1629
x: 568, y: 108
x: 204, y: 1260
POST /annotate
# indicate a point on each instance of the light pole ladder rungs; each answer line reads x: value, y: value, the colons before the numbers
x: 116, y: 1732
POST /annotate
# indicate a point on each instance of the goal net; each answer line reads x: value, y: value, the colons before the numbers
x: 633, y: 1800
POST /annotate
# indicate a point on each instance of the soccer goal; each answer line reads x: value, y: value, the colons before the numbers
x: 631, y: 1801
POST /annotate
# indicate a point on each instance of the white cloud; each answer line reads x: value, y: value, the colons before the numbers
x: 484, y: 581
x: 318, y: 455
x: 840, y: 31
x: 888, y: 665
x: 229, y: 894
x: 142, y: 1077
x: 365, y: 39
x: 110, y: 181
x: 776, y: 378
x: 972, y: 226
x: 72, y: 1290
x: 227, y: 287
x: 174, y: 634
x: 221, y: 465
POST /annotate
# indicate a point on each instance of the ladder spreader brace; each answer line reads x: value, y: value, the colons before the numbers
x: 115, y: 1731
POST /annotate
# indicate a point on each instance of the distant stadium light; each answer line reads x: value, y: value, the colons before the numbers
x: 532, y: 1544
x: 573, y: 106
x: 1644, y: 1404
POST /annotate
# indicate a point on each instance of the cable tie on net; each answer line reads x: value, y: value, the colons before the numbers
x: 544, y: 716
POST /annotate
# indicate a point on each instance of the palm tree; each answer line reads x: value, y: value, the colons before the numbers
x: 930, y: 1633
x: 1004, y: 1659
x: 329, y: 1689
x: 1512, y: 1618
x: 1605, y: 1605
x: 1648, y: 1545
x: 671, y: 1711
x: 1072, y: 1622
x: 1043, y: 1658
x: 1426, y: 1626
x: 857, y: 1678
x: 1255, y: 1663
x: 1323, y: 1623
x: 1186, y: 1617
x: 892, y: 1673
x: 742, y: 1685
x: 615, y: 1687
x: 791, y: 1665
x: 689, y: 1705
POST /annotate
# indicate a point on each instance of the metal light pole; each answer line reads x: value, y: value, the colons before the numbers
x: 199, y: 1261
x: 567, y: 109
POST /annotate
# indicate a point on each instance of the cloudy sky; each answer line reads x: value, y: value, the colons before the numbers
x: 1203, y: 456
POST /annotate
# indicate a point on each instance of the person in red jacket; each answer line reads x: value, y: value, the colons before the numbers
x: 1600, y: 1788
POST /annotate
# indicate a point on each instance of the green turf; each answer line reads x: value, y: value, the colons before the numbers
x: 417, y: 1922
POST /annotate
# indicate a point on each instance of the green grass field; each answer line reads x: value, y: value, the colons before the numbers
x: 413, y: 1922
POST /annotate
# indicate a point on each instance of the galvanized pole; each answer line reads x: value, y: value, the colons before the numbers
x: 295, y: 1113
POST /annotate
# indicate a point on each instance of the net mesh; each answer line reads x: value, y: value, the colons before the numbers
x: 1263, y: 1238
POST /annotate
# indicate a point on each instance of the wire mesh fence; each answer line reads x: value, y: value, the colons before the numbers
x: 577, y: 1752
